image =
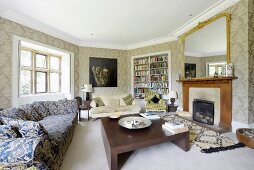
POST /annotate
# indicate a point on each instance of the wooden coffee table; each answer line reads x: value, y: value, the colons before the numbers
x: 118, y: 140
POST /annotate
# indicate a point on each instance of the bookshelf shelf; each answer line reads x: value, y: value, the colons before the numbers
x: 151, y: 72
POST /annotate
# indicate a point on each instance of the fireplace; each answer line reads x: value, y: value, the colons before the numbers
x: 203, y: 111
x: 225, y: 86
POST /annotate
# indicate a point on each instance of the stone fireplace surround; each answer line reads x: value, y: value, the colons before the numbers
x: 224, y: 84
x: 209, y: 94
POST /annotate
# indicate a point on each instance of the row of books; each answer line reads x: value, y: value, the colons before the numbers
x: 174, y: 127
x: 141, y: 73
x: 141, y: 61
x: 159, y: 58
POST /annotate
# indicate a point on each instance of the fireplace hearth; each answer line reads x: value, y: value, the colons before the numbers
x: 203, y: 111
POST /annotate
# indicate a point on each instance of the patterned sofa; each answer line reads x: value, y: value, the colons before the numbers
x: 37, y: 135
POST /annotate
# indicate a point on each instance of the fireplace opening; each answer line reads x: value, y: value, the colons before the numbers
x: 203, y: 111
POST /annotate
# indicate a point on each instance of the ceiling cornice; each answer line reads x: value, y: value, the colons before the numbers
x: 37, y: 25
x: 205, y: 15
x: 102, y: 45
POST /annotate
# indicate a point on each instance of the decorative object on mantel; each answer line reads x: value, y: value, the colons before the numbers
x: 229, y: 70
x: 179, y: 76
x: 207, y: 140
x: 190, y: 70
x: 88, y: 89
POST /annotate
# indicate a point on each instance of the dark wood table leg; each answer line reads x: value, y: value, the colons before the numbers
x: 79, y: 110
x: 183, y: 143
x: 88, y: 114
x: 113, y: 162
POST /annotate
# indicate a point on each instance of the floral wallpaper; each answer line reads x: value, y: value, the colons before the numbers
x: 239, y: 57
x: 251, y: 61
x: 7, y: 30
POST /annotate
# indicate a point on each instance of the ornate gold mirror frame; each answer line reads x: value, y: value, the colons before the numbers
x: 209, y: 21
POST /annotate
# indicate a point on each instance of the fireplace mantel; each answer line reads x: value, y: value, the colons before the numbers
x: 225, y: 86
x: 207, y: 79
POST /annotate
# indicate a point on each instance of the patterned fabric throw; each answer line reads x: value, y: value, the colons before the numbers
x: 26, y: 128
x: 6, y: 132
x: 128, y: 99
x: 207, y: 140
x: 18, y: 150
x: 98, y: 102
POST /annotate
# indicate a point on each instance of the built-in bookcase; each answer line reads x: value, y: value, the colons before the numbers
x: 151, y: 72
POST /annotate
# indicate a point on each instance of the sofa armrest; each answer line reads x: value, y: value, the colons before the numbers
x: 93, y: 104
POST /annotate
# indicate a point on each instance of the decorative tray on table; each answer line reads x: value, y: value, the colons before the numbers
x: 134, y: 122
x: 246, y: 136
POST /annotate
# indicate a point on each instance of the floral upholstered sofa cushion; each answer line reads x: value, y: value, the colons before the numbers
x: 17, y: 151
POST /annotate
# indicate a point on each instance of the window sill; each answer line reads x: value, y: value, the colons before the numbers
x: 42, y: 97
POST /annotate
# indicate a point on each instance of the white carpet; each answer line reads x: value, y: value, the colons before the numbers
x: 86, y: 152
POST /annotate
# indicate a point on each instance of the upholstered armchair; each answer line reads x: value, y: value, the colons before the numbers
x: 154, y: 106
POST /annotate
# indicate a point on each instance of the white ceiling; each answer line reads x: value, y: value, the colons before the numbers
x: 209, y: 41
x: 119, y: 23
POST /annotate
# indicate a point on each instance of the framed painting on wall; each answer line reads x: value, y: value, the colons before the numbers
x: 190, y: 70
x: 103, y: 72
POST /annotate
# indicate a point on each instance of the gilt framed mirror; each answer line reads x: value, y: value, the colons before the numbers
x: 207, y: 46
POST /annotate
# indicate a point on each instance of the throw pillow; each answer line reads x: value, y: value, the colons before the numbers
x: 71, y: 106
x: 128, y: 99
x: 40, y: 108
x: 98, y: 102
x: 18, y: 151
x: 57, y: 107
x: 30, y: 113
x: 26, y: 128
x: 7, y: 132
x: 155, y: 99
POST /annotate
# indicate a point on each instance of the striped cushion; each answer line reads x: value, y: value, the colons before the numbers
x: 98, y: 102
x: 128, y: 99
